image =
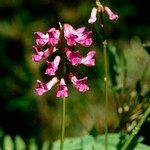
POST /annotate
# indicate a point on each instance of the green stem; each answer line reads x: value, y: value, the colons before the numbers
x: 106, y: 80
x: 62, y: 123
x: 104, y: 43
x: 106, y: 93
x: 136, y: 129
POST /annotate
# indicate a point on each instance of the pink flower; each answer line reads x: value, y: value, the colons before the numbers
x: 70, y: 34
x: 52, y: 66
x: 39, y: 55
x: 79, y: 84
x: 84, y: 38
x: 73, y: 36
x: 87, y: 60
x: 62, y: 90
x: 110, y: 14
x: 42, y: 87
x: 53, y: 36
x: 73, y: 57
x: 93, y: 18
x: 41, y: 39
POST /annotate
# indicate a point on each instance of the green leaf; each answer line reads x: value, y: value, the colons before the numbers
x: 46, y: 145
x: 33, y: 145
x: 87, y: 142
x: 8, y: 143
x: 90, y: 143
x: 69, y: 144
x: 20, y: 144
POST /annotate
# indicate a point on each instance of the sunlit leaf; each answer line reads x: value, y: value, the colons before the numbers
x: 8, y: 143
x: 20, y: 144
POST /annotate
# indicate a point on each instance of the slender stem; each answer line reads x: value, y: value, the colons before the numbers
x: 106, y: 80
x: 62, y: 123
x: 104, y: 43
x: 136, y: 129
x: 106, y: 94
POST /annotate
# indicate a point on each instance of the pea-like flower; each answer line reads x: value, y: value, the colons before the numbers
x: 88, y: 59
x: 112, y: 16
x: 54, y: 36
x: 93, y: 18
x: 79, y: 36
x: 41, y: 38
x: 40, y: 55
x: 42, y: 87
x: 62, y: 90
x: 52, y: 66
x: 79, y: 84
x: 75, y: 58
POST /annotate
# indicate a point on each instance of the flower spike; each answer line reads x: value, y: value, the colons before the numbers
x: 46, y: 45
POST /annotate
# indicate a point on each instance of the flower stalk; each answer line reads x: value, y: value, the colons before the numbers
x: 93, y: 18
x: 136, y: 129
x: 104, y: 43
x: 63, y: 111
x: 106, y: 93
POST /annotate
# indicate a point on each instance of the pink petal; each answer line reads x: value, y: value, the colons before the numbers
x: 93, y: 18
x: 80, y: 30
x: 85, y: 39
x: 73, y: 36
x: 51, y: 83
x: 79, y: 84
x: 38, y: 54
x: 87, y: 60
x: 42, y: 87
x: 68, y: 29
x: 54, y: 36
x: 41, y: 39
x: 112, y: 16
x: 73, y: 57
x: 62, y: 90
x: 52, y: 66
x: 70, y: 34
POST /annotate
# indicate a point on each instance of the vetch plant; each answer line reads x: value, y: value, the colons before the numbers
x: 94, y: 18
x: 47, y: 46
x: 100, y: 9
x: 57, y: 48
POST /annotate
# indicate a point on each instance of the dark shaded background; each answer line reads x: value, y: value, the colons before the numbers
x: 24, y: 113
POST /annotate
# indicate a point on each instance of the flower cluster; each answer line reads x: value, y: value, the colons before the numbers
x: 46, y: 45
x: 100, y: 8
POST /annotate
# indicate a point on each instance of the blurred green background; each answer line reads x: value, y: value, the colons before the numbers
x: 25, y: 114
